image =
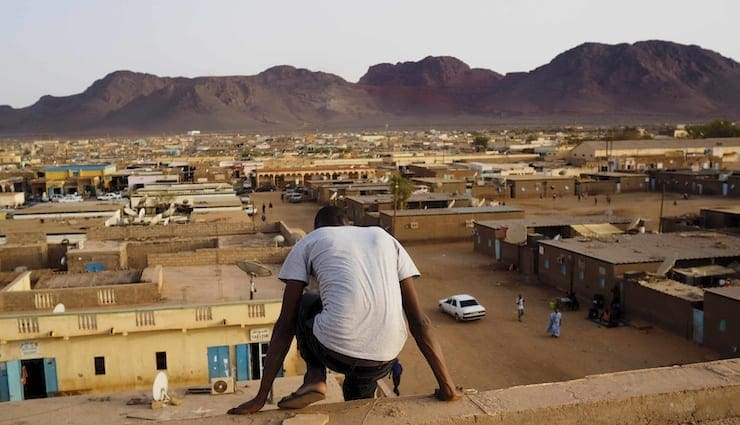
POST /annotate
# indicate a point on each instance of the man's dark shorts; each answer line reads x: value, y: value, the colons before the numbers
x: 360, y: 376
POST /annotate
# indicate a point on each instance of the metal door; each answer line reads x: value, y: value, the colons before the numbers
x: 242, y: 363
x: 698, y: 326
x: 50, y: 376
x: 218, y: 362
x: 4, y: 392
x: 497, y: 248
x: 15, y: 386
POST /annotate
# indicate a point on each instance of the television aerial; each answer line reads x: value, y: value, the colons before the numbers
x: 160, y: 388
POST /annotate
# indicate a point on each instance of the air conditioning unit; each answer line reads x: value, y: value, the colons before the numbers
x: 222, y: 386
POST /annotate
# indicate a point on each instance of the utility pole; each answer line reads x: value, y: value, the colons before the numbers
x: 660, y: 216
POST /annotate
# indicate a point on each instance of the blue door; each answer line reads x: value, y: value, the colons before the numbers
x: 725, y: 189
x: 94, y: 267
x: 698, y: 326
x: 242, y: 363
x: 50, y: 376
x: 4, y: 391
x: 497, y: 248
x: 218, y: 362
x: 15, y: 386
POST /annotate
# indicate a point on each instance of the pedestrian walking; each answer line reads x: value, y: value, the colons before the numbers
x: 396, y: 371
x: 556, y: 319
x: 520, y: 307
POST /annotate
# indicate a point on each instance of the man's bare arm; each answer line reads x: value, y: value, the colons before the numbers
x: 421, y: 329
x: 282, y: 336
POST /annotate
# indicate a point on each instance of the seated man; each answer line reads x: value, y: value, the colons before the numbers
x: 354, y: 325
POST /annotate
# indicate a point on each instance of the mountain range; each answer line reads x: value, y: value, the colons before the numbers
x: 648, y: 81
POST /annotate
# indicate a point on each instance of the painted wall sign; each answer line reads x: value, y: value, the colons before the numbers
x: 259, y: 335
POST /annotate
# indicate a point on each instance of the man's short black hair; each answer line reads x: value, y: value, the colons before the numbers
x: 330, y: 216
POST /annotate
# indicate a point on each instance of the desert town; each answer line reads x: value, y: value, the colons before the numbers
x: 122, y: 258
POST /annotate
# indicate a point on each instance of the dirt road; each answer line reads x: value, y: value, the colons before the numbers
x: 499, y: 351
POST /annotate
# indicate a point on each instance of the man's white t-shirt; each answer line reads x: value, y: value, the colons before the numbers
x: 358, y: 270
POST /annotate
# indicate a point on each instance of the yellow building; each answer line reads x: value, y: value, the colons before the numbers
x: 78, y: 178
x: 109, y: 346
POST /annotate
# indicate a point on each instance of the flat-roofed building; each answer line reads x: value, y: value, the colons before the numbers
x: 722, y: 319
x: 595, y: 265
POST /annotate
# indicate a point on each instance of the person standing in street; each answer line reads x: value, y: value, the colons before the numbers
x: 520, y: 307
x: 553, y: 327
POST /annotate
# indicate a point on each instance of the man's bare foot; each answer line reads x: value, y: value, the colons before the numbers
x: 311, y: 387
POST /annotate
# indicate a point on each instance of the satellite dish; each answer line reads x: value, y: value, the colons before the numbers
x: 279, y: 239
x: 59, y: 308
x: 129, y: 211
x: 333, y: 196
x: 481, y: 202
x: 254, y: 268
x: 667, y: 264
x: 634, y: 224
x: 142, y: 212
x: 516, y: 234
x: 451, y: 204
x: 384, y: 179
x: 160, y: 387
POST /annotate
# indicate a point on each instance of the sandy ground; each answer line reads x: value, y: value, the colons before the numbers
x: 499, y: 351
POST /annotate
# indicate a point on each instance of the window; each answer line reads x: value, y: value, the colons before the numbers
x: 722, y: 325
x: 563, y: 269
x: 581, y: 274
x: 161, y: 360
x: 100, y: 365
x: 602, y: 282
x: 547, y: 263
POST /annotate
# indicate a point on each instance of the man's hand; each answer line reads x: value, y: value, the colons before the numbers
x: 252, y: 406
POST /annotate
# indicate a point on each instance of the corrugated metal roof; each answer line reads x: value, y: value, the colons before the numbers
x: 557, y: 221
x: 652, y: 248
x: 704, y: 271
x: 674, y: 288
x: 596, y: 230
x: 732, y: 292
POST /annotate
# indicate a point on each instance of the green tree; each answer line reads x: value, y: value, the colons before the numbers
x: 716, y: 128
x: 480, y: 141
x: 401, y: 189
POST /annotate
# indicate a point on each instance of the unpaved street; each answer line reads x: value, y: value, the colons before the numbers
x: 499, y: 351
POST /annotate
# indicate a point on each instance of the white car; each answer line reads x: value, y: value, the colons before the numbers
x: 109, y: 196
x: 70, y: 197
x: 462, y: 307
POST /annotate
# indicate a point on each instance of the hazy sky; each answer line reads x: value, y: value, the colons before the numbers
x: 60, y: 47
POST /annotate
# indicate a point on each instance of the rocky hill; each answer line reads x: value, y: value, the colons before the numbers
x: 651, y: 79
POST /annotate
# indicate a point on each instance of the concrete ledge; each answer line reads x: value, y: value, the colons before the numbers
x: 698, y: 393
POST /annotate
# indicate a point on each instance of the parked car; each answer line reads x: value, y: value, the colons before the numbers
x: 109, y: 196
x: 70, y: 197
x: 249, y: 209
x: 294, y: 197
x: 266, y: 188
x: 462, y: 307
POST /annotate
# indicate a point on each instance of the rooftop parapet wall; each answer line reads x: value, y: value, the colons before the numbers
x: 124, y: 321
x: 204, y: 257
x: 80, y: 298
x: 702, y: 393
x: 189, y: 230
